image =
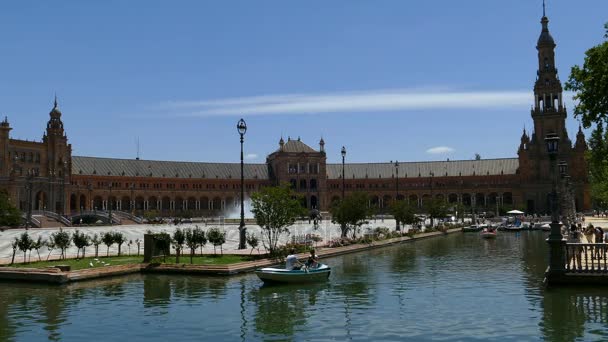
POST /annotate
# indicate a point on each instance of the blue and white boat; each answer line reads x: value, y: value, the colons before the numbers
x: 304, y: 275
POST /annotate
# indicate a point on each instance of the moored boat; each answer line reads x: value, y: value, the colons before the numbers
x: 511, y: 228
x: 488, y: 233
x: 472, y: 228
x: 281, y: 275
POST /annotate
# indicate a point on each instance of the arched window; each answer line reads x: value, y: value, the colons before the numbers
x: 302, y: 183
x: 293, y: 183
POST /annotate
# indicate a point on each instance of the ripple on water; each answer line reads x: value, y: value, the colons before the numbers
x: 451, y: 288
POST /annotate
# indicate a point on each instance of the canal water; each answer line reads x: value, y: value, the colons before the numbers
x: 457, y: 287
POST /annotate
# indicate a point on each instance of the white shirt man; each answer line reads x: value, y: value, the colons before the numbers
x: 291, y: 262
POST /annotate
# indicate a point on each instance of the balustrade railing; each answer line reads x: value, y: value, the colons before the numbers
x: 587, y: 257
x: 128, y: 216
x: 57, y: 217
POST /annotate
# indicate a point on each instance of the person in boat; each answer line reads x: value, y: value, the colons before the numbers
x: 292, y: 262
x: 312, y: 261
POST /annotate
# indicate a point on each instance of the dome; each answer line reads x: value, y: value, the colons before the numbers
x: 545, y: 37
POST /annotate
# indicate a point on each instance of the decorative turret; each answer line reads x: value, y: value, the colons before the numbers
x: 322, y: 145
x: 55, y: 125
x: 281, y: 144
x: 524, y: 141
x: 580, y: 144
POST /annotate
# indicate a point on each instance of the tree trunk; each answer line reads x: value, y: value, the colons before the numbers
x: 192, y: 250
x: 38, y: 252
x: 13, y: 259
x: 177, y: 255
x: 47, y: 257
x: 119, y: 245
x: 222, y: 250
x: 24, y: 256
x: 96, y: 250
x: 83, y: 252
x: 108, y: 251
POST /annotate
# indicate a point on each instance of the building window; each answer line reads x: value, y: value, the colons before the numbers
x: 313, y: 184
x: 293, y: 168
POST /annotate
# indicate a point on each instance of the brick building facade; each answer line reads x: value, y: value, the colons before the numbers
x: 54, y: 180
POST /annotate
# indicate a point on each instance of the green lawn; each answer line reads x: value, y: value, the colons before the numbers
x: 78, y: 264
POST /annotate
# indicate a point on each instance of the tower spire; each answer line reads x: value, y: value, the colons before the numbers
x: 544, y: 15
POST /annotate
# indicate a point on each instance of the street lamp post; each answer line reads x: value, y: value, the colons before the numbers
x: 343, y: 152
x: 132, y: 200
x: 110, y: 203
x: 397, y: 227
x: 555, y: 240
x: 29, y: 187
x: 52, y: 200
x: 431, y: 203
x: 63, y: 168
x: 90, y: 189
x: 242, y: 128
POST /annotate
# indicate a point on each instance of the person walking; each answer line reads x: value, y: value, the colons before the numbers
x: 599, y: 241
x: 589, y: 233
x: 574, y: 255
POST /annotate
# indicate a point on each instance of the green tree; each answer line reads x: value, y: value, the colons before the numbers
x: 217, y: 238
x: 275, y: 209
x: 62, y: 240
x: 403, y: 212
x: 459, y: 211
x: 108, y: 239
x: 9, y: 215
x: 37, y: 245
x: 81, y: 241
x: 252, y: 241
x: 96, y: 241
x: 351, y: 213
x: 15, y: 246
x: 436, y: 208
x: 179, y: 238
x: 201, y: 238
x: 191, y: 242
x: 590, y: 84
x: 119, y: 238
x: 50, y: 245
x: 24, y: 244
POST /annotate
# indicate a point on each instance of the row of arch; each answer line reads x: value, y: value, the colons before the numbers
x: 163, y: 203
x: 476, y: 199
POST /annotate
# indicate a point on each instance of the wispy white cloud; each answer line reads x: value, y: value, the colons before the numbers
x: 369, y: 101
x: 440, y: 150
x: 250, y: 156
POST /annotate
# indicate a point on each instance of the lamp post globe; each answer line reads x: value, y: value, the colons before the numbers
x: 241, y: 127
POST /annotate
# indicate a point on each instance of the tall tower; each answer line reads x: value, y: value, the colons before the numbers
x: 549, y: 116
x: 6, y: 163
x: 57, y: 165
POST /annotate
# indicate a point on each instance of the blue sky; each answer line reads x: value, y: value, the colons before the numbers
x: 387, y: 79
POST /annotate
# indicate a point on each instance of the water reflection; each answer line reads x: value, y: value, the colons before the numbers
x: 280, y: 310
x: 452, y: 288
